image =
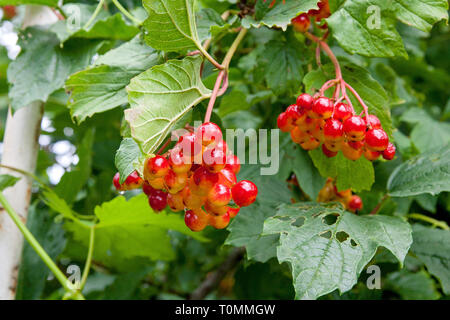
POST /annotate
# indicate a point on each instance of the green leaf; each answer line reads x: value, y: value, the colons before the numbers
x: 33, y: 272
x: 432, y: 247
x: 328, y: 247
x: 127, y: 154
x: 105, y: 26
x: 171, y: 25
x: 280, y: 15
x: 234, y: 101
x: 426, y: 173
x: 7, y: 181
x: 161, y: 96
x: 357, y: 175
x: 50, y: 3
x: 210, y: 24
x: 43, y: 66
x: 130, y: 229
x: 412, y: 286
x: 102, y: 87
x: 421, y: 14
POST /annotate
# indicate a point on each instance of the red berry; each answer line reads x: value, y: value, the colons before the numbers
x: 196, y: 220
x: 156, y: 183
x: 301, y: 23
x: 204, y: 180
x: 389, y: 153
x: 147, y: 188
x: 350, y: 152
x: 298, y: 136
x: 323, y: 107
x: 333, y: 130
x: 283, y: 122
x: 233, y: 163
x: 219, y: 195
x: 371, y: 155
x: 355, y: 128
x: 116, y: 182
x: 244, y: 193
x: 215, y: 210
x: 209, y: 132
x: 175, y: 182
x: 156, y: 167
x: 189, y: 145
x: 227, y: 177
x: 374, y: 122
x: 327, y: 152
x: 178, y: 162
x: 233, y: 211
x: 305, y: 101
x: 355, y: 203
x: 133, y: 181
x: 219, y: 222
x: 377, y: 140
x: 192, y: 200
x: 342, y: 112
x: 333, y: 146
x: 158, y: 200
x: 214, y: 159
x: 175, y: 201
x: 311, y: 144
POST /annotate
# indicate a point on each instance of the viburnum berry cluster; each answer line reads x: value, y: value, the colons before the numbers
x: 197, y: 175
x: 302, y: 22
x: 330, y: 193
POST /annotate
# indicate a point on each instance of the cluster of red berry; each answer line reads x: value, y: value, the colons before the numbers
x: 330, y: 193
x: 314, y: 121
x: 302, y: 22
x: 199, y: 175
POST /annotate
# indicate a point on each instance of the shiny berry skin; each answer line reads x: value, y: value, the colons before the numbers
x: 196, y: 220
x: 175, y: 201
x: 333, y: 146
x: 323, y: 107
x: 214, y: 159
x: 284, y: 123
x: 204, y: 180
x: 227, y: 177
x: 219, y: 222
x: 305, y: 101
x: 244, y: 193
x: 377, y: 140
x: 342, y: 112
x: 233, y: 211
x: 311, y: 144
x: 156, y: 167
x: 301, y: 23
x: 219, y: 195
x: 374, y: 122
x: 192, y: 200
x: 208, y: 133
x: 175, y: 182
x: 116, y: 182
x: 371, y: 155
x: 293, y: 112
x: 158, y: 200
x: 389, y: 153
x: 351, y: 153
x: 356, y: 144
x: 355, y: 128
x: 355, y: 203
x: 233, y: 163
x: 306, y: 123
x: 215, y: 210
x: 317, y: 132
x: 333, y: 130
x: 298, y: 136
x: 327, y: 152
x: 178, y: 162
x: 147, y: 188
x: 133, y: 181
x: 157, y: 183
x: 189, y: 145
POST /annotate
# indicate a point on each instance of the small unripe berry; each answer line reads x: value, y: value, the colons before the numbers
x: 244, y: 193
x: 192, y: 200
x: 204, y: 180
x: 333, y: 146
x: 211, y: 209
x: 214, y: 159
x: 157, y: 183
x: 301, y: 23
x: 175, y: 182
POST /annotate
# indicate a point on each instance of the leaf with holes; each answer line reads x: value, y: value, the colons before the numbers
x: 160, y: 96
x: 328, y: 247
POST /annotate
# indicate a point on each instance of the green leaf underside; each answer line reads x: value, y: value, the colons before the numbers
x: 50, y: 3
x: 280, y: 15
x: 171, y: 25
x: 426, y: 173
x: 102, y: 86
x: 327, y: 255
x: 127, y: 154
x: 368, y: 28
x: 432, y: 247
x: 161, y: 96
x: 7, y: 181
x: 130, y: 229
x: 358, y: 175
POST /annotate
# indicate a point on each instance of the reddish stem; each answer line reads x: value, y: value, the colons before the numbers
x: 163, y: 146
x: 214, y: 95
x: 353, y: 91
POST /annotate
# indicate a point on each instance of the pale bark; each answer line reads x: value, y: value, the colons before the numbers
x: 20, y: 148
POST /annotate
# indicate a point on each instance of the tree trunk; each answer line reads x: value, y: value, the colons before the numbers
x: 20, y: 148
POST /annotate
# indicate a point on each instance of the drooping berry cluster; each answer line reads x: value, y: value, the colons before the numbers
x: 198, y: 175
x: 315, y: 121
x: 302, y: 22
x: 330, y: 193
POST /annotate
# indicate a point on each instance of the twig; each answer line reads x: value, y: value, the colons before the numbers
x: 434, y: 222
x: 213, y: 280
x: 378, y: 206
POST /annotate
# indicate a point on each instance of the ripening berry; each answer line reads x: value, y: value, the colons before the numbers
x: 233, y: 211
x: 157, y: 183
x: 178, y: 162
x: 214, y: 159
x: 355, y: 128
x: 175, y: 182
x: 219, y: 195
x: 158, y: 200
x: 305, y: 123
x: 351, y: 153
x: 373, y: 121
x: 377, y: 140
x: 283, y: 122
x: 204, y: 180
x: 371, y: 155
x: 333, y: 146
x: 219, y: 222
x: 317, y: 132
x: 189, y: 145
x: 215, y: 210
x: 333, y: 130
x: 244, y: 193
x: 293, y: 112
x: 227, y: 177
x: 147, y: 188
x: 133, y: 181
x: 342, y: 112
x: 233, y: 163
x: 327, y: 152
x: 192, y: 200
x: 355, y: 203
x: 196, y: 219
x: 116, y: 182
x: 301, y: 23
x: 208, y: 133
x: 156, y: 167
x: 311, y: 144
x: 323, y: 107
x: 298, y: 136
x: 389, y: 153
x: 305, y: 101
x: 175, y: 201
